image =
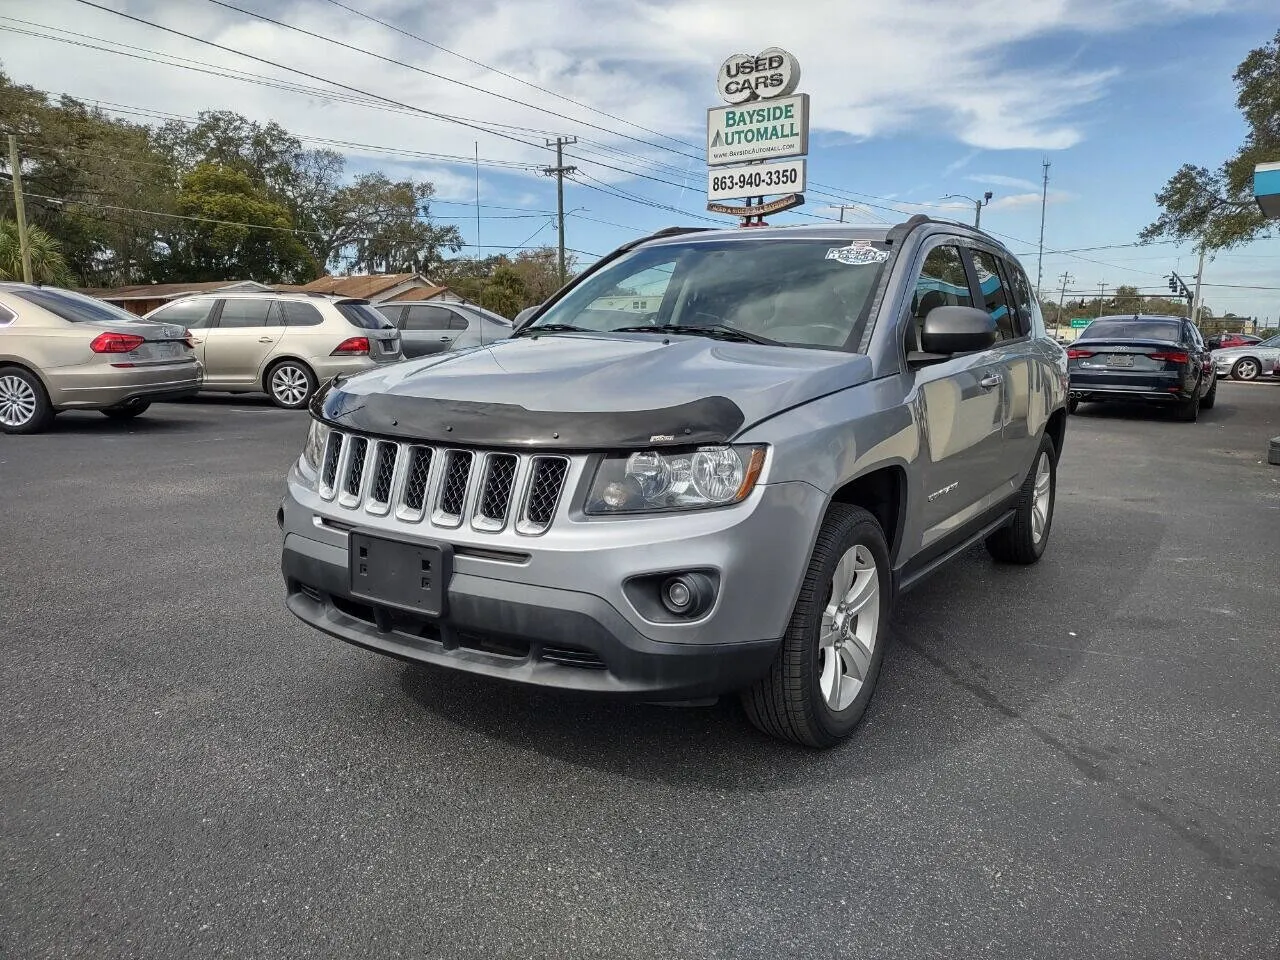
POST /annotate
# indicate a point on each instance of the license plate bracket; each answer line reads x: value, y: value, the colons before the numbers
x: 411, y: 576
x: 1120, y: 360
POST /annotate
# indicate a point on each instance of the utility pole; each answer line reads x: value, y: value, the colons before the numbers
x: 1065, y: 278
x: 1102, y: 292
x: 559, y: 171
x: 20, y: 211
x: 1044, y: 202
x: 846, y: 206
x: 977, y: 209
x: 1195, y: 299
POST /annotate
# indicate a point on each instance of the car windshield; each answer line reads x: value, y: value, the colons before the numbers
x: 364, y: 315
x: 1271, y: 341
x: 1170, y: 330
x: 801, y: 292
x: 74, y: 307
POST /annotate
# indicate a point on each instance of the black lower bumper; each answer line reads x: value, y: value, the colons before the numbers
x: 513, y: 631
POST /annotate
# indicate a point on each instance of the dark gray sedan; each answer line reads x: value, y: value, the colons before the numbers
x: 427, y: 328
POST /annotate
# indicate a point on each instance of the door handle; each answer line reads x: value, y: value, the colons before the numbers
x: 990, y: 380
x: 446, y: 339
x: 266, y: 339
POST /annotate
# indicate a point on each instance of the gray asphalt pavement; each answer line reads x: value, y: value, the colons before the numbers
x: 1073, y: 760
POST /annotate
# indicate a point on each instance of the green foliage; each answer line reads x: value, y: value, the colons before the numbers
x: 504, y: 284
x: 1216, y: 207
x: 47, y: 263
x: 238, y: 243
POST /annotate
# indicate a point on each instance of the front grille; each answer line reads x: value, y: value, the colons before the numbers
x: 444, y: 487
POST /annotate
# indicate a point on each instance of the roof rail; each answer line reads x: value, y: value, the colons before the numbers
x: 899, y: 231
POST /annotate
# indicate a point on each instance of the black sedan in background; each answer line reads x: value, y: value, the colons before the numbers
x: 1142, y: 358
x: 427, y: 328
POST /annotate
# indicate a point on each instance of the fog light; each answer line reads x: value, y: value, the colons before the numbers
x: 687, y: 594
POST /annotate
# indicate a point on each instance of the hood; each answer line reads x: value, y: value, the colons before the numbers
x: 594, y: 391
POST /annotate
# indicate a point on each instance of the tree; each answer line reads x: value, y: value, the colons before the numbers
x: 252, y: 237
x: 1216, y: 208
x: 540, y: 271
x: 376, y: 224
x: 47, y: 262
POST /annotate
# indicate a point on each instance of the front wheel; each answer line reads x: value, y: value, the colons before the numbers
x: 1245, y: 369
x: 826, y: 668
x: 291, y: 384
x: 1023, y: 541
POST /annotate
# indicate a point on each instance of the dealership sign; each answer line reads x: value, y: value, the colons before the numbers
x: 764, y: 130
x: 765, y: 120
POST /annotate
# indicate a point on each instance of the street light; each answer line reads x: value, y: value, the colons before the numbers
x: 977, y: 204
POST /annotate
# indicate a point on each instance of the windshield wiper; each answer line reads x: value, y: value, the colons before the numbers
x: 719, y: 331
x: 555, y: 328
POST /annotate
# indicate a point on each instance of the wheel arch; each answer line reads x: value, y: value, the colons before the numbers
x: 1239, y: 360
x: 28, y: 368
x: 286, y: 358
x: 1056, y: 429
x: 882, y: 492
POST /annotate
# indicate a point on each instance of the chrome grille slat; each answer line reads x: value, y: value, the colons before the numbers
x: 444, y: 487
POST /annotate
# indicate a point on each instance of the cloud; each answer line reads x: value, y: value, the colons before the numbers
x: 910, y: 67
x: 999, y: 180
x: 959, y: 164
x: 1021, y: 200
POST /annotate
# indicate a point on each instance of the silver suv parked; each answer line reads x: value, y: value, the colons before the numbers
x: 708, y: 465
x: 285, y: 344
x: 427, y: 328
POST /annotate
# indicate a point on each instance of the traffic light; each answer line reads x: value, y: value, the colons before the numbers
x: 1177, y: 286
x: 1173, y: 283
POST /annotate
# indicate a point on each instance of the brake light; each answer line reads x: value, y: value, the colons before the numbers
x: 352, y: 347
x: 116, y: 343
x: 1079, y: 354
x: 189, y: 339
x: 1173, y: 356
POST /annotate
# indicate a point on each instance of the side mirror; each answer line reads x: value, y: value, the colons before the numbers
x: 523, y: 316
x: 950, y: 330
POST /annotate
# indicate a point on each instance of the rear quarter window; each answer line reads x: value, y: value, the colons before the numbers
x: 364, y: 316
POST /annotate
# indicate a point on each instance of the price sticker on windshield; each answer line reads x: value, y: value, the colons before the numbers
x: 757, y: 180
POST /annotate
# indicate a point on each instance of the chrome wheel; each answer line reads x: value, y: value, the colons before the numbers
x: 289, y: 385
x: 850, y: 624
x: 1040, y: 498
x: 1245, y: 370
x: 17, y: 401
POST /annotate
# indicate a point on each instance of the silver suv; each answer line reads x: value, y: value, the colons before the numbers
x: 709, y: 465
x: 285, y: 344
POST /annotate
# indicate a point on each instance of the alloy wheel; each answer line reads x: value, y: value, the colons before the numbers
x: 850, y: 624
x: 17, y: 401
x: 289, y: 385
x: 1246, y: 370
x: 1040, y: 498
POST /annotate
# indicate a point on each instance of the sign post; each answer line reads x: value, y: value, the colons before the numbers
x: 766, y: 121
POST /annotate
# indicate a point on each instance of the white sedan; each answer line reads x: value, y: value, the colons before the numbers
x: 1251, y: 361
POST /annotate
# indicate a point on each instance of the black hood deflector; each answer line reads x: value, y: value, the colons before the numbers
x: 472, y: 423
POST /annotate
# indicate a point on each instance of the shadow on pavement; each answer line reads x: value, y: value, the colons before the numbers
x: 92, y: 422
x: 973, y: 648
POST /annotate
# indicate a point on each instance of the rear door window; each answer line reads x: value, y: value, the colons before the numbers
x: 192, y: 314
x: 1024, y: 300
x: 422, y: 317
x: 457, y: 321
x: 994, y: 298
x: 241, y: 313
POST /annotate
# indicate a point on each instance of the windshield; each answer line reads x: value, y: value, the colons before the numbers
x: 1133, y: 330
x: 1271, y: 341
x: 74, y: 307
x: 363, y: 315
x: 800, y: 292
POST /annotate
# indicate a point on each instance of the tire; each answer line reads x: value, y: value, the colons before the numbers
x: 1210, y: 398
x: 1023, y: 541
x: 1073, y: 405
x: 1246, y: 368
x: 24, y: 405
x: 290, y: 384
x: 1188, y: 411
x: 823, y: 677
x: 127, y: 411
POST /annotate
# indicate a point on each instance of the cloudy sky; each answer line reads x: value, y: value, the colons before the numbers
x: 911, y: 102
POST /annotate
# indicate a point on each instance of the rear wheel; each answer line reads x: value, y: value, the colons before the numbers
x: 1245, y: 368
x: 291, y: 384
x: 127, y: 411
x: 1210, y: 398
x: 1073, y: 404
x: 1188, y: 411
x: 1023, y: 541
x: 826, y: 669
x: 24, y: 406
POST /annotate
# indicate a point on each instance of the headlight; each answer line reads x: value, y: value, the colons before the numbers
x: 313, y: 449
x: 653, y: 481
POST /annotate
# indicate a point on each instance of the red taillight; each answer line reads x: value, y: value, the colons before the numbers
x: 1172, y: 356
x: 1079, y: 354
x: 352, y: 346
x: 189, y: 339
x: 116, y: 343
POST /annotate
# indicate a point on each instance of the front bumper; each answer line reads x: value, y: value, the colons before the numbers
x: 563, y: 618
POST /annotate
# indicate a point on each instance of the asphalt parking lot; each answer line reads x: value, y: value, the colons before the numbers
x: 1072, y: 760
